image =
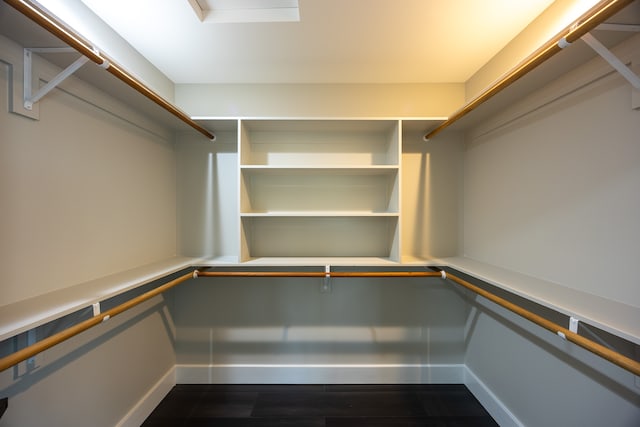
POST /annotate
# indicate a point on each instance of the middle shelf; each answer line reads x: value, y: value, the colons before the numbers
x: 334, y: 191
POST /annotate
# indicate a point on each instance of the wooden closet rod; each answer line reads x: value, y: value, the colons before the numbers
x: 74, y: 40
x: 585, y: 23
x: 32, y: 350
x: 602, y: 351
x: 318, y: 274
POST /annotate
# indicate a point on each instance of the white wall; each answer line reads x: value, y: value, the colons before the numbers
x: 287, y: 330
x: 84, y: 192
x: 207, y: 198
x: 554, y: 195
x: 95, y: 378
x: 375, y: 330
x: 432, y: 177
x: 320, y: 100
x: 543, y: 380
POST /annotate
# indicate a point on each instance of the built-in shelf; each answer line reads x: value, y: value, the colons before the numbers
x: 27, y: 314
x: 319, y: 143
x: 272, y: 189
x: 319, y: 188
x: 614, y: 317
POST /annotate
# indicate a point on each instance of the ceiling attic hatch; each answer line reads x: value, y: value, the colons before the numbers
x: 239, y: 11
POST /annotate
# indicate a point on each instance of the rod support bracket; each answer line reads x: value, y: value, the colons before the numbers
x: 613, y: 60
x: 326, y: 281
x: 573, y: 324
x: 31, y: 96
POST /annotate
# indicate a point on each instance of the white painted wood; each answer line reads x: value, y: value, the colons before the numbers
x: 277, y: 190
x: 207, y: 188
x: 320, y: 142
x: 497, y: 409
x: 319, y: 188
x: 30, y: 313
x: 320, y: 374
x: 348, y: 236
x: 615, y: 317
x: 150, y: 401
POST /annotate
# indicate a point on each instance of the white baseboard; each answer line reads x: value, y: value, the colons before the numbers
x: 320, y: 374
x: 489, y: 401
x: 136, y: 416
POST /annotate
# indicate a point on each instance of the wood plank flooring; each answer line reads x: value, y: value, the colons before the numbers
x: 411, y: 405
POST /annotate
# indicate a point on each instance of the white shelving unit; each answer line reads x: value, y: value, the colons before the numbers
x: 319, y: 188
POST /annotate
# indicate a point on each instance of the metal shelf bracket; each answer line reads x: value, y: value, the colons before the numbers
x: 613, y: 60
x: 31, y: 98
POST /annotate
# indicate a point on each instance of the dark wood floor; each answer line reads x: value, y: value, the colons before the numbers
x: 320, y: 406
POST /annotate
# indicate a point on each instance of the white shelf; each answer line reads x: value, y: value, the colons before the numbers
x: 319, y: 214
x: 313, y: 236
x: 614, y: 317
x: 320, y: 261
x: 27, y: 314
x: 319, y: 188
x: 611, y: 316
x: 317, y: 142
x: 304, y: 190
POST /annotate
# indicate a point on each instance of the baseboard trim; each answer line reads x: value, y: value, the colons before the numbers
x: 319, y: 374
x: 490, y: 401
x: 141, y: 410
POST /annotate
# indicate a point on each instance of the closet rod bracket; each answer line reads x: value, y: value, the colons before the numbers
x: 573, y: 324
x: 31, y: 98
x: 326, y: 281
x: 613, y: 60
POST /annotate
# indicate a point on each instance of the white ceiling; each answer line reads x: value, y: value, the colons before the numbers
x: 336, y: 41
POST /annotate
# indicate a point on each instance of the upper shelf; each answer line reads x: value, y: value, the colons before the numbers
x: 307, y: 143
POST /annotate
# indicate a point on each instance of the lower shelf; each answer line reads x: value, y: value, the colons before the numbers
x: 292, y: 237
